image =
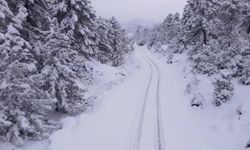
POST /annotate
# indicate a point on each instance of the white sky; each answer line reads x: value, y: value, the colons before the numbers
x: 128, y: 10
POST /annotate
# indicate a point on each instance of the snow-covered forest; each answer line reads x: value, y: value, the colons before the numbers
x: 44, y: 47
x: 215, y: 34
x: 71, y: 79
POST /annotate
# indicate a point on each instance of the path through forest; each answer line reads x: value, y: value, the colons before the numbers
x: 146, y: 112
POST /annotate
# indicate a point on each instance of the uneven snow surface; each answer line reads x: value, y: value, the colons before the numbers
x: 150, y: 111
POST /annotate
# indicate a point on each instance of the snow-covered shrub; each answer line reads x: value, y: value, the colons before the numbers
x: 176, y: 46
x: 18, y: 124
x: 197, y: 100
x: 210, y: 59
x: 203, y: 59
x: 243, y: 71
x: 243, y: 66
x: 223, y: 90
x: 245, y: 78
x: 248, y: 145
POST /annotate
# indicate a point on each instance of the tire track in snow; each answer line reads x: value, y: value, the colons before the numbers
x: 140, y: 126
x: 159, y: 128
x: 160, y: 131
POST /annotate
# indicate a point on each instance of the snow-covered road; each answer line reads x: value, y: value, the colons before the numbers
x: 149, y: 111
x: 150, y: 132
x: 146, y: 112
x: 129, y: 118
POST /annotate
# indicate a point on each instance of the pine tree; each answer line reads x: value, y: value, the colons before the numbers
x: 76, y: 18
x: 104, y: 43
x: 197, y: 16
x: 170, y: 28
x: 244, y: 7
x: 20, y: 118
x: 113, y: 43
x: 63, y: 73
x: 43, y: 49
x: 119, y: 42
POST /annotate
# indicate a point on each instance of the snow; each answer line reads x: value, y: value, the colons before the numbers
x: 2, y: 15
x: 12, y: 30
x: 3, y: 84
x: 1, y: 36
x: 74, y: 18
x: 107, y: 127
x: 105, y: 77
x: 73, y: 2
x: 115, y: 122
x: 62, y: 7
x: 210, y: 128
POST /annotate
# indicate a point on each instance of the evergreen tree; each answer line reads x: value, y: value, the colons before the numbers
x: 76, y: 18
x: 244, y: 7
x: 113, y: 43
x: 22, y: 107
x: 62, y: 73
x: 43, y: 49
x: 197, y: 16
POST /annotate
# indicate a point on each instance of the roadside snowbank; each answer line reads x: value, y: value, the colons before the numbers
x: 225, y: 127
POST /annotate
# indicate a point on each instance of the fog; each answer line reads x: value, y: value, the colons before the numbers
x: 145, y: 10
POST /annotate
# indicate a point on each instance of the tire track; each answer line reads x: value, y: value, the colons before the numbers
x: 139, y: 133
x: 160, y: 131
x: 160, y: 141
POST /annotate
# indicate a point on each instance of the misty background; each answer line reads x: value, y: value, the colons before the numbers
x: 141, y: 10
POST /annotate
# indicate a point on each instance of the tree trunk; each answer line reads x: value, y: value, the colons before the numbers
x: 248, y: 30
x: 204, y: 36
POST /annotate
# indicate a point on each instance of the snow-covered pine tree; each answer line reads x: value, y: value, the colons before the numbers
x: 243, y: 65
x: 22, y: 112
x: 232, y: 37
x: 63, y: 73
x: 170, y: 28
x: 105, y: 49
x: 119, y: 43
x: 225, y: 43
x: 43, y: 48
x: 244, y: 7
x: 77, y: 19
x: 113, y: 43
x: 198, y: 15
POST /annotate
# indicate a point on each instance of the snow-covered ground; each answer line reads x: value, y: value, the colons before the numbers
x: 151, y: 110
x: 209, y: 127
